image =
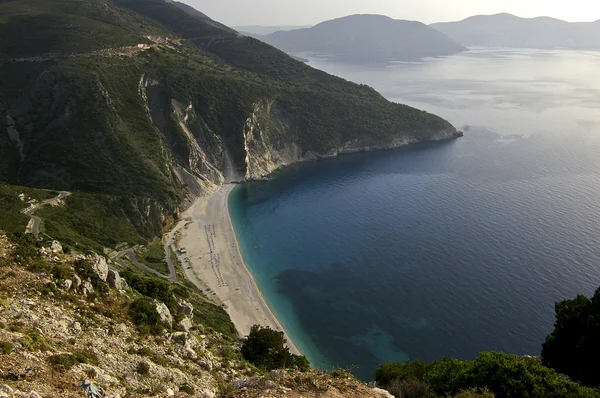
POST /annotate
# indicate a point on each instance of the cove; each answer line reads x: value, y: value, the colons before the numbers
x: 437, y: 249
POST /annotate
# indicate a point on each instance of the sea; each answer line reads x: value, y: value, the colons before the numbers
x: 445, y: 248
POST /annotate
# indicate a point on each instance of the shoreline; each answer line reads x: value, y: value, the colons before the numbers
x: 214, y: 256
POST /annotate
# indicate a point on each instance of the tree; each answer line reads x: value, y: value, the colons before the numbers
x: 265, y: 348
x: 573, y: 348
x: 500, y: 374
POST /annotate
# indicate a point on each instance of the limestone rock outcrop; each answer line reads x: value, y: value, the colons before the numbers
x: 114, y: 280
x: 163, y: 313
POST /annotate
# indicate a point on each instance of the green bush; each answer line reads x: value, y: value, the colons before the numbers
x: 475, y: 393
x: 27, y: 253
x: 573, y: 348
x: 186, y: 388
x: 61, y: 272
x: 34, y: 341
x: 50, y: 287
x: 64, y: 362
x: 6, y: 347
x: 144, y: 316
x: 409, y: 389
x: 145, y: 352
x: 265, y: 348
x: 154, y: 357
x: 151, y: 287
x: 504, y: 375
x: 143, y: 368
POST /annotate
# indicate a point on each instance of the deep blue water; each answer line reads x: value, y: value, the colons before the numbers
x: 439, y: 249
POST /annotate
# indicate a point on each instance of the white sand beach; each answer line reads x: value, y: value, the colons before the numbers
x: 212, y: 252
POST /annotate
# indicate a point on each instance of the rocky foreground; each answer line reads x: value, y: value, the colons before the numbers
x: 69, y: 328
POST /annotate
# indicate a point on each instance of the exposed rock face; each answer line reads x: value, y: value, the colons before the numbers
x: 114, y: 280
x: 268, y: 141
x: 200, y: 157
x: 56, y: 247
x: 186, y: 324
x: 272, y: 141
x: 197, y: 152
x: 87, y: 288
x: 382, y: 393
x: 186, y: 344
x: 100, y: 266
x: 67, y: 283
x: 163, y: 313
x: 76, y: 281
x: 185, y: 307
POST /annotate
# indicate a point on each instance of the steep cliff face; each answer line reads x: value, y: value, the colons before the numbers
x: 268, y: 141
x: 196, y: 152
x: 271, y: 141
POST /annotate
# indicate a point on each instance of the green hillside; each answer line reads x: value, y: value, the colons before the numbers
x: 143, y: 103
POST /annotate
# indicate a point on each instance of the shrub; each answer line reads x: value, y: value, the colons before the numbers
x: 34, y: 341
x: 504, y: 375
x: 27, y: 252
x: 143, y: 368
x: 265, y: 348
x: 151, y: 287
x: 145, y: 352
x: 85, y: 271
x: 475, y: 393
x: 64, y: 362
x: 144, y: 316
x: 6, y: 347
x: 409, y: 389
x: 411, y: 370
x: 573, y: 348
x: 49, y: 288
x: 154, y: 357
x: 186, y: 388
x: 341, y: 373
x: 61, y: 272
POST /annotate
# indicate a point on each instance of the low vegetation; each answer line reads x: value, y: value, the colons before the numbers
x: 143, y: 314
x: 64, y: 362
x: 573, y: 347
x: 266, y: 349
x: 153, y: 255
x: 90, y: 221
x: 11, y: 203
x: 504, y: 375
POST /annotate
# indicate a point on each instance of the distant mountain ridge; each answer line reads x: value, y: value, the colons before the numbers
x: 265, y: 30
x: 507, y: 30
x: 367, y: 38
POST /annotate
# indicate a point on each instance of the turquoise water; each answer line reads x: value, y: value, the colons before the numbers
x: 441, y: 248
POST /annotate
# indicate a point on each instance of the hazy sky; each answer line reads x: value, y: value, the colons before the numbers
x: 310, y: 12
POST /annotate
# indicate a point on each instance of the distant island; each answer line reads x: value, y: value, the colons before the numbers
x: 367, y: 38
x: 259, y: 30
x: 506, y: 30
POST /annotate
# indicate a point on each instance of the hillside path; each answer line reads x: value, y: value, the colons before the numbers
x: 34, y: 225
x: 172, y: 277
